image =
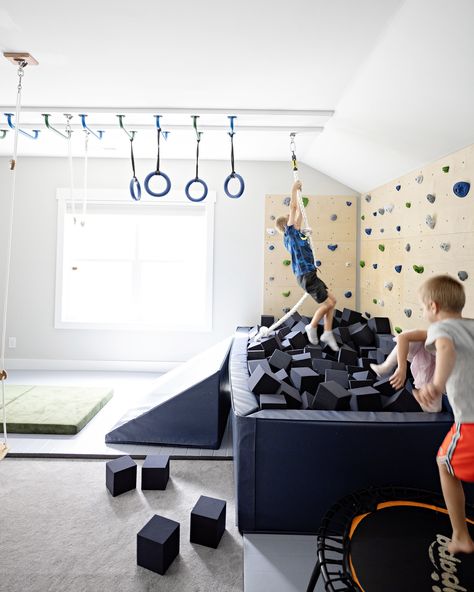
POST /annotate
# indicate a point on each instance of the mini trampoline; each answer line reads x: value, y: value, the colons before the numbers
x: 390, y: 540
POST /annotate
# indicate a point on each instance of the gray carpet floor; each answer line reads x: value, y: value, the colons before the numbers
x: 62, y: 531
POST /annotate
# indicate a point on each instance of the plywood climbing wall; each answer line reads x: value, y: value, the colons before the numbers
x: 413, y: 228
x: 334, y: 223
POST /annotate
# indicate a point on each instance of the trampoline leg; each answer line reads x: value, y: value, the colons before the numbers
x: 314, y: 577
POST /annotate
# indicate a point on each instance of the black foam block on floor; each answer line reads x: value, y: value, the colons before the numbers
x: 286, y: 345
x: 365, y: 363
x: 364, y: 350
x: 256, y: 355
x: 273, y: 402
x: 283, y: 376
x: 297, y: 339
x: 332, y: 396
x: 282, y: 332
x: 305, y: 379
x: 361, y: 335
x: 291, y: 321
x: 320, y: 366
x: 379, y: 325
x: 280, y: 360
x: 270, y: 344
x: 262, y: 381
x: 384, y: 387
x: 301, y: 326
x: 253, y: 364
x: 155, y: 471
x: 365, y: 399
x: 295, y: 352
x: 349, y: 317
x: 208, y: 521
x: 307, y: 400
x: 291, y: 394
x: 401, y: 401
x: 339, y: 376
x: 328, y: 354
x: 120, y: 475
x: 301, y: 360
x: 267, y: 320
x: 314, y: 350
x: 384, y: 342
x: 347, y: 355
x: 353, y: 384
x: 363, y: 375
x: 255, y: 346
x: 158, y: 544
x: 342, y: 335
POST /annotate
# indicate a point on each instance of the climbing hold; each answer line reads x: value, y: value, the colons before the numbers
x: 419, y: 179
x: 382, y: 248
x: 332, y: 247
x: 286, y: 262
x: 381, y: 211
x: 445, y: 169
x: 348, y: 294
x: 285, y: 310
x: 271, y: 278
x: 398, y: 329
x: 367, y: 314
x: 368, y: 231
x: 430, y: 221
x: 317, y: 263
x: 348, y: 203
x: 419, y: 268
x: 408, y: 247
x: 398, y: 268
x: 348, y: 264
x: 272, y: 217
x: 431, y: 198
x: 333, y: 217
x: 362, y: 263
x: 445, y: 246
x: 305, y: 201
x: 398, y: 228
x: 408, y: 204
x: 374, y: 213
x: 388, y: 285
x: 374, y: 300
x: 362, y: 217
x: 375, y: 265
x: 286, y: 201
x: 463, y: 275
x: 398, y: 187
x: 381, y: 303
x: 382, y: 230
x: 408, y: 312
x: 461, y: 189
x: 368, y: 198
x: 271, y: 247
x: 271, y: 231
x: 286, y: 294
x: 389, y: 208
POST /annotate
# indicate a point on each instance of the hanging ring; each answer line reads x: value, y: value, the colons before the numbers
x: 241, y: 189
x: 188, y: 187
x: 158, y: 174
x: 135, y: 189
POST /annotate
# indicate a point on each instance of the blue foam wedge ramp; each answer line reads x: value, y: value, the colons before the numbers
x: 187, y: 406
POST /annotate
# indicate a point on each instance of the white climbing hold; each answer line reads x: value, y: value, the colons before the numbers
x: 408, y: 247
x: 368, y: 198
x: 430, y: 221
x: 431, y: 198
x: 381, y: 302
x: 348, y: 264
x: 388, y: 285
x: 419, y: 179
x: 389, y: 208
x: 445, y: 246
x: 271, y: 231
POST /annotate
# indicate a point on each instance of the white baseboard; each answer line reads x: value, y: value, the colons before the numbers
x: 88, y: 365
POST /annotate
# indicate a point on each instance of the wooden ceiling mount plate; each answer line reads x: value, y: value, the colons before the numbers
x: 17, y: 57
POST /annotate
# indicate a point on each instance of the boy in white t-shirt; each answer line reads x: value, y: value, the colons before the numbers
x: 452, y: 338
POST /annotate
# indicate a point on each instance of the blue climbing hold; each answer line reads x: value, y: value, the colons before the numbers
x: 382, y: 230
x: 348, y: 203
x: 348, y: 294
x: 317, y: 263
x: 398, y: 187
x: 398, y: 268
x: 375, y: 265
x: 368, y: 231
x: 286, y: 201
x: 332, y: 247
x: 271, y: 247
x: 398, y: 228
x: 333, y: 217
x: 461, y: 189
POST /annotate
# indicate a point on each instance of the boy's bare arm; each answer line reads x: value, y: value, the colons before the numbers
x: 295, y: 214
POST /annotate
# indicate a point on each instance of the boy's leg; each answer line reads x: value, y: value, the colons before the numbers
x: 388, y: 366
x: 453, y: 493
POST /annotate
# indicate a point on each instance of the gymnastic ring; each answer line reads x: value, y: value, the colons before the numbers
x: 155, y: 174
x: 188, y: 187
x: 226, y: 186
x: 135, y: 184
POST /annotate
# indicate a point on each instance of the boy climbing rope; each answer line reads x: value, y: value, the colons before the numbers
x: 302, y: 262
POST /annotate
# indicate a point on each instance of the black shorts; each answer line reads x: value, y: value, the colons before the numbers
x: 314, y: 286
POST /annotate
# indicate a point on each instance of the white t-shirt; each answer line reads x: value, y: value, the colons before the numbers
x: 460, y: 384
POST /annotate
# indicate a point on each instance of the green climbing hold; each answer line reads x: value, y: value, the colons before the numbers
x: 408, y: 204
x: 382, y: 248
x: 362, y: 263
x: 419, y: 268
x: 305, y: 201
x: 445, y: 169
x: 286, y: 294
x: 398, y: 329
x: 286, y: 262
x: 362, y: 217
x: 374, y: 300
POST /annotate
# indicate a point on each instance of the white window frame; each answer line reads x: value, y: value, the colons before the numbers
x: 122, y: 197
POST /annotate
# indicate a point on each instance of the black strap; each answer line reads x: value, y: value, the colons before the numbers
x: 158, y: 130
x: 132, y: 158
x: 232, y: 153
x: 197, y: 154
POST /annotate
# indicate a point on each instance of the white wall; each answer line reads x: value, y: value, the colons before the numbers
x: 238, y: 257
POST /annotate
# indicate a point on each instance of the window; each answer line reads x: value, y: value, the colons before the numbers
x: 145, y: 265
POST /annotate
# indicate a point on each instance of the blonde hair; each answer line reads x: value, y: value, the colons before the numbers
x: 446, y: 291
x: 281, y: 222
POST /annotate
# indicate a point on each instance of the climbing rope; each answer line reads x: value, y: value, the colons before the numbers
x: 13, y: 162
x: 264, y: 331
x: 196, y: 178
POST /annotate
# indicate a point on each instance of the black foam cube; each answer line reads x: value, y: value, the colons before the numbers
x: 301, y: 360
x: 283, y: 376
x: 339, y: 376
x: 307, y: 400
x: 315, y: 351
x: 347, y: 355
x: 252, y: 365
x: 295, y: 352
x: 280, y: 360
x: 267, y: 320
x: 365, y: 399
x: 352, y: 369
x: 331, y: 395
x: 158, y: 544
x: 320, y: 366
x: 384, y: 387
x: 256, y: 355
x: 379, y: 325
x: 262, y: 381
x: 273, y: 402
x: 305, y: 379
x: 270, y: 344
x: 401, y: 401
x: 156, y: 471
x: 297, y: 339
x: 120, y: 475
x: 255, y: 346
x: 286, y: 345
x: 301, y: 326
x: 208, y: 521
x: 364, y: 350
x: 342, y: 335
x: 328, y: 354
x: 363, y: 375
x: 292, y: 396
x: 361, y: 334
x: 365, y: 363
x: 384, y: 342
x: 295, y: 318
x: 282, y: 332
x: 353, y: 384
x: 349, y: 317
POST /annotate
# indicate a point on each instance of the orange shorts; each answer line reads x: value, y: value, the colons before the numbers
x: 458, y: 451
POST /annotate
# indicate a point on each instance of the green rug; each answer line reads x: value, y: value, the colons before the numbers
x: 52, y: 409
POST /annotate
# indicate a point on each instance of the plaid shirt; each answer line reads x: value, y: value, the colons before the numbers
x: 302, y: 260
